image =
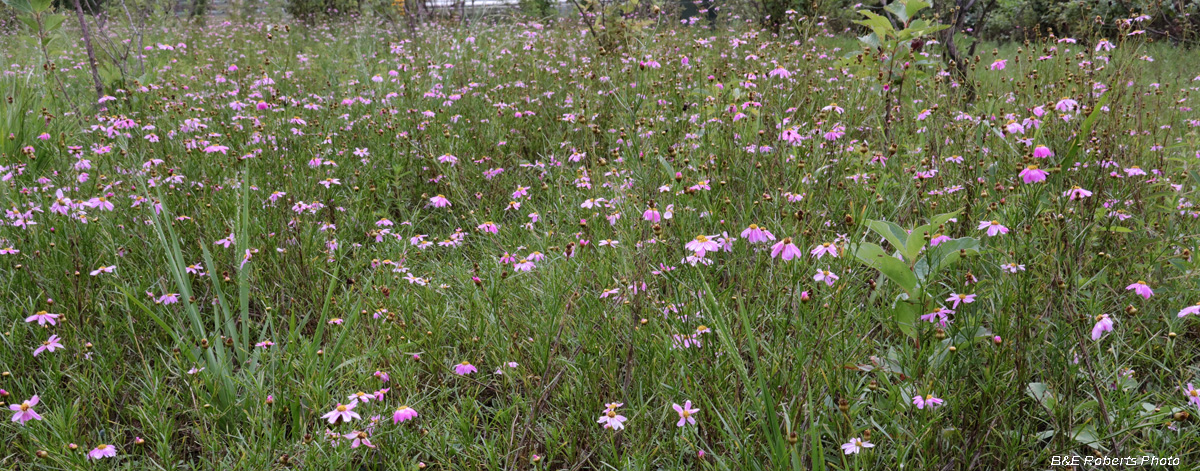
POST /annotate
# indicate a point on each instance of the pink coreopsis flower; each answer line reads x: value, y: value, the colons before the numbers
x: 50, y: 345
x: 823, y: 249
x: 856, y: 445
x: 757, y: 235
x: 652, y: 215
x: 108, y: 269
x: 785, y: 249
x: 489, y: 227
x: 998, y: 65
x: 1104, y: 323
x: 611, y: 419
x: 464, y: 368
x: 404, y: 413
x: 439, y: 201
x: 523, y: 265
x: 927, y: 401
x: 359, y: 438
x: 1193, y: 395
x: 702, y: 244
x: 994, y: 228
x: 1076, y: 193
x: 685, y: 413
x: 956, y: 298
x: 1033, y: 174
x: 42, y: 318
x: 1066, y: 105
x: 825, y: 275
x: 938, y: 239
x: 345, y: 412
x: 1193, y: 310
x: 24, y: 411
x: 1042, y: 152
x: 382, y: 375
x: 102, y: 451
x: 1141, y: 288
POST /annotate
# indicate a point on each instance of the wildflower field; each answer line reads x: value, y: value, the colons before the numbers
x: 506, y: 245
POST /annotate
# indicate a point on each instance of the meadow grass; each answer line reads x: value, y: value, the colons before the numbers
x: 253, y: 232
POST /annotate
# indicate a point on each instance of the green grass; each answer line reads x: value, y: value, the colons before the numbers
x: 790, y: 368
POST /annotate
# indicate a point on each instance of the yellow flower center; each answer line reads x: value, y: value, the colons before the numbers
x: 102, y: 447
x: 341, y: 408
x: 685, y: 413
x: 611, y: 414
x: 465, y: 363
x: 24, y: 406
x: 701, y: 238
x: 754, y: 226
x: 995, y: 223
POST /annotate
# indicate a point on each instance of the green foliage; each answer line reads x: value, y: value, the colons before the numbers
x: 913, y: 263
x: 890, y: 51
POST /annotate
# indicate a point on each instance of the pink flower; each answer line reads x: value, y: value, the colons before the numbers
x: 359, y: 439
x: 1141, y: 289
x: 940, y: 316
x: 108, y: 269
x: 24, y: 411
x: 345, y: 412
x: 42, y: 318
x: 102, y: 451
x: 825, y: 275
x: 439, y: 201
x: 957, y: 298
x: 523, y: 265
x: 1103, y: 324
x: 786, y: 249
x: 611, y: 419
x: 685, y: 413
x: 51, y: 344
x: 702, y: 244
x: 489, y: 227
x: 927, y: 401
x: 856, y: 445
x: 937, y: 239
x: 404, y: 413
x: 993, y: 228
x: 1042, y: 152
x: 383, y: 376
x: 825, y: 248
x: 998, y: 65
x: 1032, y: 174
x: 652, y: 215
x: 464, y: 368
x: 1193, y: 310
x: 1076, y: 193
x: 1192, y: 393
x: 757, y: 235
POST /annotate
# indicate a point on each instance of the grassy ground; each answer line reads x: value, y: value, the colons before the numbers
x: 279, y: 182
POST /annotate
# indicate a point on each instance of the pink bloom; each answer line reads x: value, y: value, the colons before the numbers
x: 825, y: 275
x: 1193, y: 395
x: 404, y: 413
x: 937, y: 239
x: 786, y: 249
x: 1193, y: 310
x: 464, y: 368
x: 856, y: 445
x: 53, y: 343
x: 1103, y: 324
x: 757, y: 235
x: 998, y: 65
x: 957, y: 298
x: 24, y: 411
x: 523, y: 265
x: 993, y: 228
x: 685, y: 413
x: 611, y: 419
x: 345, y: 412
x: 359, y: 439
x: 1032, y: 174
x: 108, y: 269
x: 702, y: 244
x: 1141, y: 289
x: 825, y: 248
x: 439, y: 201
x: 652, y: 215
x: 1076, y: 193
x: 927, y: 401
x: 489, y: 227
x: 102, y: 451
x: 42, y: 318
x: 940, y: 316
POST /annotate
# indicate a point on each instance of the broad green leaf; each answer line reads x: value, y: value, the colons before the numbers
x: 22, y: 6
x: 53, y: 22
x: 873, y: 256
x: 1041, y: 392
x: 912, y: 7
x: 898, y: 10
x: 916, y: 241
x: 944, y: 255
x: 894, y: 234
x: 905, y: 313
